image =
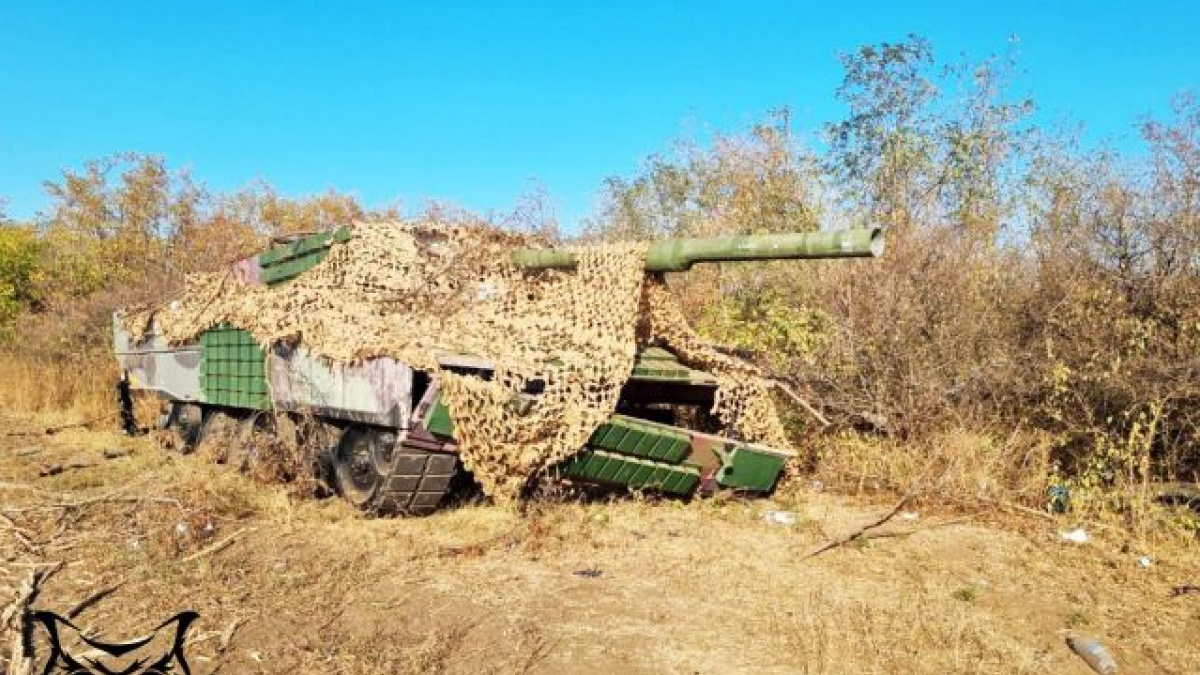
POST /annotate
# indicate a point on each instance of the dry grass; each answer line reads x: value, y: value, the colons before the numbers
x: 958, y: 466
x: 83, y: 386
x: 706, y: 587
x: 966, y: 471
x: 835, y: 634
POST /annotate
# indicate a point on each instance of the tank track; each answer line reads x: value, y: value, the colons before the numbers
x: 421, y: 470
x: 422, y: 474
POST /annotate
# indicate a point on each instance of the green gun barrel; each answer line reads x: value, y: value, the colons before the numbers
x: 677, y: 255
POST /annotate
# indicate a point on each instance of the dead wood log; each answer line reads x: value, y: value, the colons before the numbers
x: 220, y: 545
x: 859, y: 532
x: 14, y: 620
x: 800, y: 401
x: 93, y: 599
x: 55, y: 469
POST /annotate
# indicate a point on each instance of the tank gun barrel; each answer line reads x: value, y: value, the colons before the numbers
x: 677, y: 255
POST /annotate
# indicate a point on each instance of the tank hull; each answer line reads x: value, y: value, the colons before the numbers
x: 226, y: 375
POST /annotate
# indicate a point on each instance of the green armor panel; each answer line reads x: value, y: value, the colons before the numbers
x: 233, y: 369
x: 609, y: 467
x: 639, y: 438
x: 285, y: 262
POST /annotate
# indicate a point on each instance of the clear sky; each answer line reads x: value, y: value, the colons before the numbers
x: 477, y: 102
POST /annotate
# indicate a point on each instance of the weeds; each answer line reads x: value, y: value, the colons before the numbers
x: 82, y: 386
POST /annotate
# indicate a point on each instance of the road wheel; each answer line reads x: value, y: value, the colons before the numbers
x: 377, y: 474
x: 181, y: 427
x: 361, y: 464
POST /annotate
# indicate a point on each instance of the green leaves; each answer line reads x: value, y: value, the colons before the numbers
x: 758, y: 181
x: 19, y: 256
x: 925, y: 142
x: 768, y: 325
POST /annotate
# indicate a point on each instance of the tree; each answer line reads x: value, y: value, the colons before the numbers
x: 883, y: 152
x: 909, y: 154
x: 1174, y: 232
x: 759, y: 181
x: 113, y: 222
x: 20, y: 252
x: 263, y: 210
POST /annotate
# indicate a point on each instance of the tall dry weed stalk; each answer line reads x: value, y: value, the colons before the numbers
x: 83, y: 387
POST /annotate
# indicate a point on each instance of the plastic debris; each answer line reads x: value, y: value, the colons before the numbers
x: 1058, y: 499
x: 786, y: 518
x: 1077, y: 535
x: 1146, y: 561
x: 1093, y: 653
x: 909, y: 515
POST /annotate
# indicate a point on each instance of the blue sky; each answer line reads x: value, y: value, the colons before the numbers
x: 476, y: 103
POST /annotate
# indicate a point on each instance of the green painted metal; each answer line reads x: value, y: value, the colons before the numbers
x: 676, y: 255
x: 639, y: 438
x: 285, y: 262
x: 746, y: 467
x: 655, y: 364
x: 659, y: 364
x: 233, y: 369
x: 438, y: 420
x: 642, y: 474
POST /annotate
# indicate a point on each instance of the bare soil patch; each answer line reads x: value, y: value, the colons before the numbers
x: 285, y: 584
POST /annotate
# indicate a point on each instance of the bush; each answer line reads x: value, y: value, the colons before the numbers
x: 1029, y: 289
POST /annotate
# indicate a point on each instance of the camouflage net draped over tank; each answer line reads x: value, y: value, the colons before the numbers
x: 417, y: 292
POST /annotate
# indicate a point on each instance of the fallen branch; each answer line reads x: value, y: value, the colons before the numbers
x: 911, y: 531
x: 1184, y: 590
x: 50, y: 431
x: 12, y: 524
x: 798, y: 400
x: 68, y: 506
x: 227, y: 634
x: 62, y: 501
x: 17, y: 486
x: 858, y: 533
x: 22, y: 535
x: 93, y: 599
x: 134, y: 499
x: 55, y: 469
x: 219, y: 546
x: 14, y: 620
x: 1015, y: 507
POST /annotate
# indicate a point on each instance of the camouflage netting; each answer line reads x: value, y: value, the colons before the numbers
x: 419, y: 292
x: 743, y: 399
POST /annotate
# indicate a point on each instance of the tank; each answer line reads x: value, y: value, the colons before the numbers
x: 384, y: 435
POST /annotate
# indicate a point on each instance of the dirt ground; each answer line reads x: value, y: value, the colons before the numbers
x: 284, y: 584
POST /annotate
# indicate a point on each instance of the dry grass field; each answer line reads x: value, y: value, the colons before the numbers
x: 287, y: 584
